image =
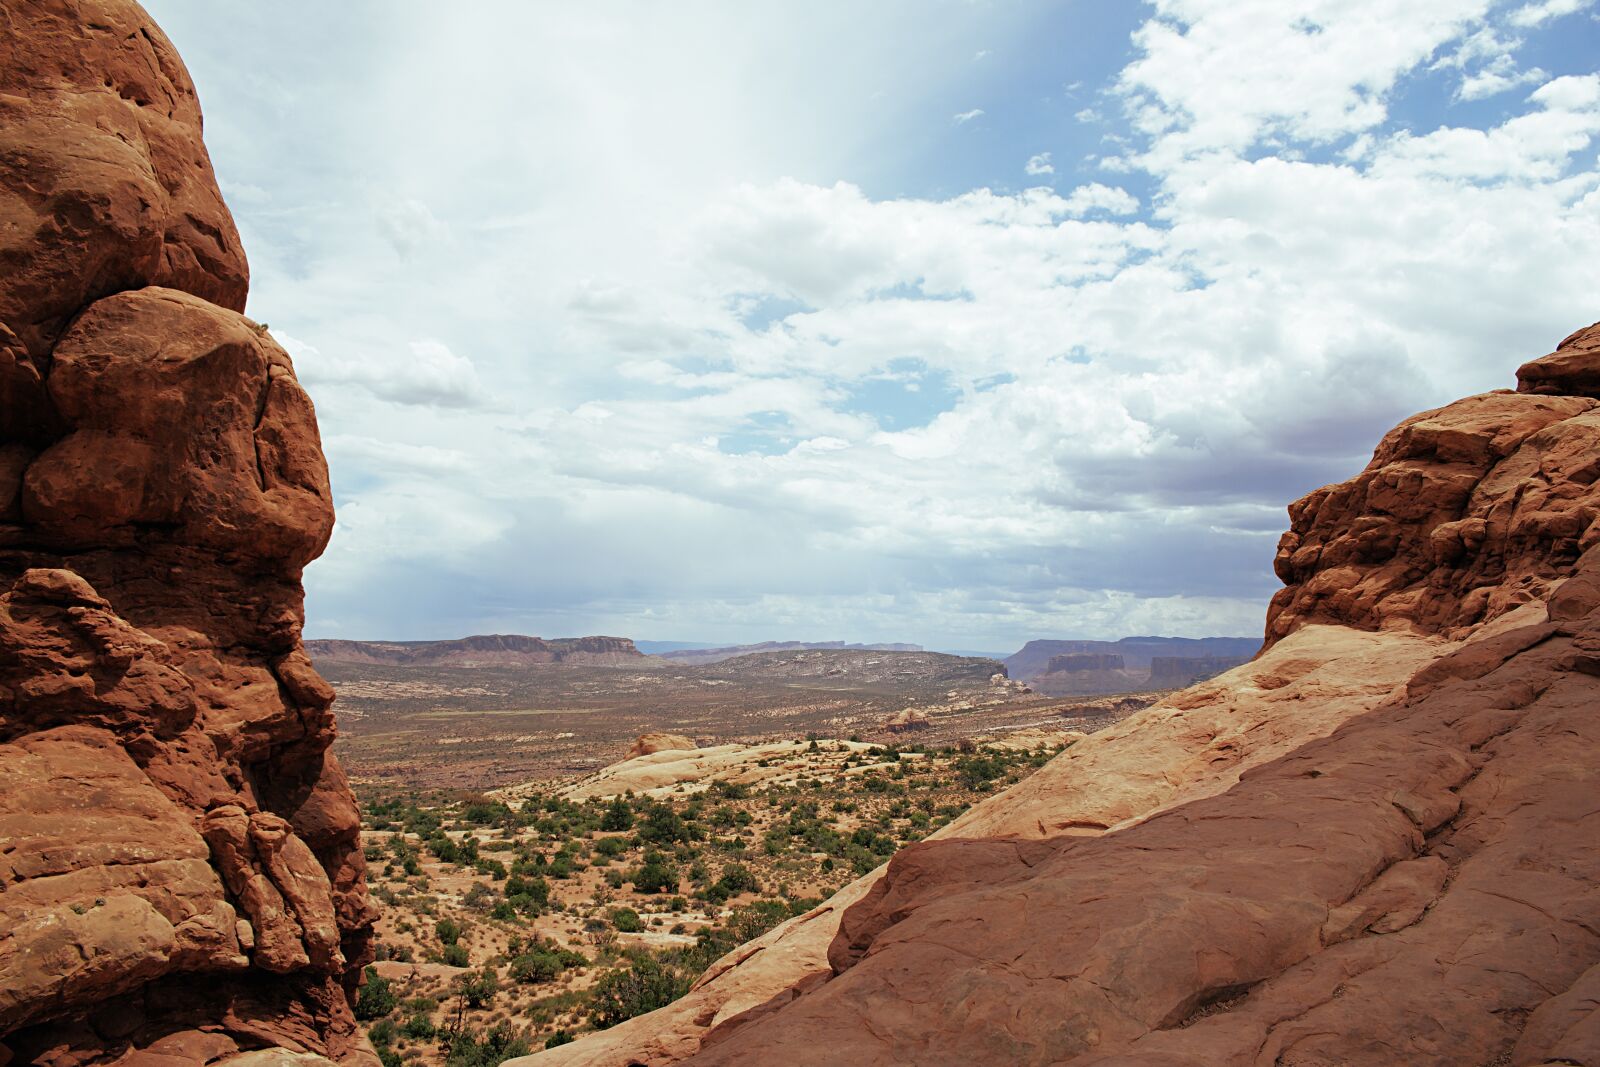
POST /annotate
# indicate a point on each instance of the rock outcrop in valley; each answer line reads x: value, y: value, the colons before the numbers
x: 181, y: 880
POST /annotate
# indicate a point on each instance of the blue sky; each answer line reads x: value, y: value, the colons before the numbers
x: 955, y: 323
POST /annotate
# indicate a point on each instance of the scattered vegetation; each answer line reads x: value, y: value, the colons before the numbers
x: 508, y: 929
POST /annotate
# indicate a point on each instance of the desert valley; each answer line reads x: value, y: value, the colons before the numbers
x: 1367, y: 836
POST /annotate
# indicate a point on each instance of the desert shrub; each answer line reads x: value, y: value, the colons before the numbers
x: 560, y: 1037
x: 736, y: 878
x: 663, y: 826
x: 456, y: 955
x: 480, y: 988
x: 536, y: 967
x: 381, y: 1033
x: 376, y: 999
x: 501, y: 1043
x: 618, y: 816
x: 644, y: 986
x: 534, y: 889
x: 448, y: 931
x: 478, y: 897
x: 626, y: 920
x: 488, y: 813
x: 611, y: 846
x: 657, y: 875
x: 419, y: 1027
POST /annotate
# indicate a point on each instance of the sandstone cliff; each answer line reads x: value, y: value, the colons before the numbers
x: 181, y: 879
x: 1374, y: 844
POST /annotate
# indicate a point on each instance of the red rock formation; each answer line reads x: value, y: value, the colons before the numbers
x: 1272, y: 867
x: 906, y: 721
x: 181, y: 870
x: 1464, y: 513
x: 650, y: 744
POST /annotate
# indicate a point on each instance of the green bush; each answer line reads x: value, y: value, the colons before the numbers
x: 376, y: 999
x: 611, y: 846
x: 536, y: 967
x: 656, y: 876
x: 501, y: 1043
x: 419, y: 1027
x: 644, y: 986
x: 456, y: 955
x: 448, y: 931
x: 560, y: 1037
x: 381, y: 1033
x: 618, y: 816
x: 626, y: 920
x: 663, y: 826
x: 479, y: 989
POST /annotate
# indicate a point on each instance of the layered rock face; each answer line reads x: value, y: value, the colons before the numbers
x: 1374, y: 844
x: 181, y: 878
x: 1074, y: 662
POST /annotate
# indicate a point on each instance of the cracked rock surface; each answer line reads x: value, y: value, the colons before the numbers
x: 180, y: 873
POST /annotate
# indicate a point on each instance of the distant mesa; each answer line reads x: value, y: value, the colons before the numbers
x: 483, y: 650
x: 693, y: 656
x: 1086, y: 668
x: 1175, y: 672
x: 860, y: 666
x: 1075, y: 662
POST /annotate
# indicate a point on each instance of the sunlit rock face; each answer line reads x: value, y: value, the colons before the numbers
x: 1373, y: 844
x: 181, y: 870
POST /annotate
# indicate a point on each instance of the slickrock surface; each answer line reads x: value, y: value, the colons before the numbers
x: 1374, y: 844
x: 180, y: 873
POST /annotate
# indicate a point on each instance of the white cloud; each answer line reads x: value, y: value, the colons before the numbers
x: 963, y: 117
x: 1538, y: 13
x: 428, y: 373
x: 662, y: 334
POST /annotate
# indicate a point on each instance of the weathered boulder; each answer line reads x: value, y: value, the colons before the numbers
x: 650, y: 744
x: 105, y: 184
x: 181, y: 879
x: 1465, y: 513
x: 1573, y: 369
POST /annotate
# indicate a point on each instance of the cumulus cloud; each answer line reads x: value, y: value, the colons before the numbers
x: 1536, y: 14
x: 652, y: 393
x: 425, y: 373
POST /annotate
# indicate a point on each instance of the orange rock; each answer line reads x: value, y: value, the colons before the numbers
x: 650, y: 744
x: 181, y: 849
